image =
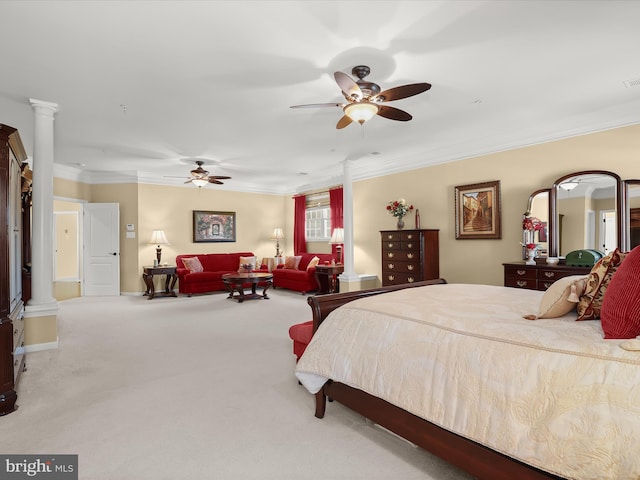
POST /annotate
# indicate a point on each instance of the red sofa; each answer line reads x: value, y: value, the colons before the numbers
x: 302, y: 279
x: 210, y: 279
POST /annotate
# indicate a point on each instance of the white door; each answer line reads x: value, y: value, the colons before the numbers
x: 609, y: 231
x: 101, y: 249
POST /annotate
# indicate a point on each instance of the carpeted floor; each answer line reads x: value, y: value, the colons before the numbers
x: 194, y: 388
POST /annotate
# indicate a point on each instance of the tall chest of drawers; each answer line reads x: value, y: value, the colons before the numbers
x: 409, y: 256
x: 537, y: 277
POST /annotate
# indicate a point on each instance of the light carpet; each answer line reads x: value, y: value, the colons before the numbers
x: 194, y: 388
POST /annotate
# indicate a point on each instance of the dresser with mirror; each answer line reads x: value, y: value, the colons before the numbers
x: 591, y: 209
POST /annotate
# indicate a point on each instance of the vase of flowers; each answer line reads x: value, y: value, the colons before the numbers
x: 530, y: 225
x: 532, y: 249
x: 399, y: 208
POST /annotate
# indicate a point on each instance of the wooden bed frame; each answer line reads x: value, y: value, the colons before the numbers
x: 478, y: 460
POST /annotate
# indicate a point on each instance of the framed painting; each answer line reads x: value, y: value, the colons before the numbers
x: 478, y: 211
x: 214, y: 226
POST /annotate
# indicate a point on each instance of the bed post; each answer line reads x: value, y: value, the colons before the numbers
x: 321, y: 403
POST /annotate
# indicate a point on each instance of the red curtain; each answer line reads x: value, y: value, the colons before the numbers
x: 335, y: 203
x: 299, y: 221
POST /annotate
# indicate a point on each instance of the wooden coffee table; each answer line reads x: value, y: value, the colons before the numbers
x: 236, y: 282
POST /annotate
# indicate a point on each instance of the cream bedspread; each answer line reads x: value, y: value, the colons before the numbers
x: 551, y: 393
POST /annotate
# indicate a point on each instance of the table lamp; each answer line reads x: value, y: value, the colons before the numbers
x: 278, y: 235
x: 158, y: 238
x: 337, y: 239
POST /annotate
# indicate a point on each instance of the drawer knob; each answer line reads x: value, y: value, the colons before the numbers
x: 410, y: 280
x: 549, y: 274
x: 521, y: 272
x: 389, y: 254
x: 409, y: 245
x: 390, y: 245
x: 410, y: 267
x: 391, y: 278
x: 410, y: 236
x: 409, y: 255
x: 390, y: 236
x: 547, y: 284
x: 391, y: 266
x: 521, y: 283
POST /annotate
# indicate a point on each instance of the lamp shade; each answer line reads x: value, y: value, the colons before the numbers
x: 337, y: 236
x: 158, y: 238
x: 360, y: 112
x: 278, y: 234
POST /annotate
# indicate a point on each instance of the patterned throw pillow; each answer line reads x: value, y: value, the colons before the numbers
x: 620, y: 314
x: 193, y: 264
x: 247, y: 261
x: 561, y: 297
x: 292, y: 262
x: 314, y: 261
x: 590, y: 302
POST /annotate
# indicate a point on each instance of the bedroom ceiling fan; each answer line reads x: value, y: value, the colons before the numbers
x: 200, y: 177
x: 364, y: 98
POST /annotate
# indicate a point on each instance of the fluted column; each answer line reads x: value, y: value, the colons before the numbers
x: 42, y: 298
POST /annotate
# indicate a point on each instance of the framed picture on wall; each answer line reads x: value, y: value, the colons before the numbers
x: 478, y: 211
x: 214, y: 226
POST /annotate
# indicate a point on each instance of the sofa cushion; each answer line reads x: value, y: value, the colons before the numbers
x: 314, y: 261
x: 291, y: 263
x: 193, y: 264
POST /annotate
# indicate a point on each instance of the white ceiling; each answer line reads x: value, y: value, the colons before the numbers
x: 143, y: 85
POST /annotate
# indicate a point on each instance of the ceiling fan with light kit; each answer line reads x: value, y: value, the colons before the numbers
x: 364, y: 98
x: 200, y: 177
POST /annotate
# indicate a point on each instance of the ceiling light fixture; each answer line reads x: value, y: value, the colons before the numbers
x: 199, y: 182
x: 360, y: 112
x: 568, y: 186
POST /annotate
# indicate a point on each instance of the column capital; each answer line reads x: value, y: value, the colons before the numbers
x: 41, y: 104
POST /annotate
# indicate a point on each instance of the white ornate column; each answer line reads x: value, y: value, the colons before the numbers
x: 42, y: 302
x: 349, y: 274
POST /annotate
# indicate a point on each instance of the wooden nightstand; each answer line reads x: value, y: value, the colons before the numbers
x: 149, y: 272
x: 537, y: 277
x: 327, y: 277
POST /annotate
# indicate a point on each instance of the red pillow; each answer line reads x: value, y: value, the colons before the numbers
x: 620, y: 313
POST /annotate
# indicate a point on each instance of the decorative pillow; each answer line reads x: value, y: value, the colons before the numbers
x: 561, y: 297
x: 292, y: 262
x: 251, y: 261
x: 192, y: 264
x: 591, y: 301
x: 620, y: 314
x: 314, y: 261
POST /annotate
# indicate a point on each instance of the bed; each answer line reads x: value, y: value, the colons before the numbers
x: 457, y: 370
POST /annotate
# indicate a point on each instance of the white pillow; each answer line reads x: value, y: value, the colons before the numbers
x: 314, y: 261
x: 247, y: 261
x: 561, y: 297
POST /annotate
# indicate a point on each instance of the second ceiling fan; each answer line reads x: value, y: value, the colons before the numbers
x: 364, y: 98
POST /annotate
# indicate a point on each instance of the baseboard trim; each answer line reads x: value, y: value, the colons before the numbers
x: 38, y: 347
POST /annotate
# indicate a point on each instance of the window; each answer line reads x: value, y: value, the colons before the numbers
x: 318, y: 224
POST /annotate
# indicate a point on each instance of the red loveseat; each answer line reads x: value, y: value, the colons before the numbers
x: 302, y: 279
x: 210, y: 279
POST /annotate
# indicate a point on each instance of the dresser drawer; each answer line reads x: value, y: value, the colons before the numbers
x: 528, y: 283
x: 391, y: 237
x: 392, y: 266
x: 401, y: 255
x: 393, y: 278
x: 519, y: 272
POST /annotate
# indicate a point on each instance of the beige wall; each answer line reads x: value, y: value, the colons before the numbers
x: 520, y: 172
x: 430, y: 189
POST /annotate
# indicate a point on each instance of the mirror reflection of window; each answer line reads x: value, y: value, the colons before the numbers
x: 633, y: 189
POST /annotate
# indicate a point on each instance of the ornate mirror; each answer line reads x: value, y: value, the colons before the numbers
x: 586, y: 213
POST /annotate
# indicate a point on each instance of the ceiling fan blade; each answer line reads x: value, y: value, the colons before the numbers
x: 213, y: 180
x: 404, y: 91
x: 317, y: 105
x: 393, y: 113
x: 348, y: 86
x: 219, y: 177
x: 343, y: 122
x: 189, y: 181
